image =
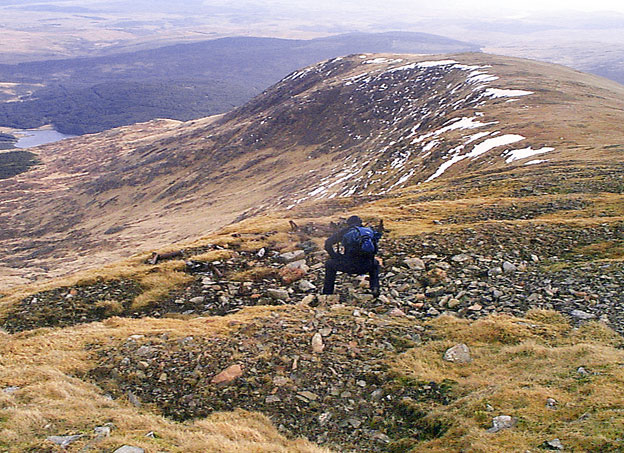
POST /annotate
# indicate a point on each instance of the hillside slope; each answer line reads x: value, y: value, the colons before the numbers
x: 361, y: 126
x: 499, y: 325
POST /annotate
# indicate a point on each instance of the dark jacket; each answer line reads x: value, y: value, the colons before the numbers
x: 335, y: 239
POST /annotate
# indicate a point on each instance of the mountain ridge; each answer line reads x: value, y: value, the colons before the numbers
x: 276, y: 151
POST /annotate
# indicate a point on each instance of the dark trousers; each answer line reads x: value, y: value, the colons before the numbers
x: 333, y: 265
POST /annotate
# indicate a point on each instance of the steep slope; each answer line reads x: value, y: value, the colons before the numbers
x: 498, y: 328
x: 361, y: 125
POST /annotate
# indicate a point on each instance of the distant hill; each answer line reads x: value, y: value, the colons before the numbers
x: 361, y: 126
x: 183, y: 82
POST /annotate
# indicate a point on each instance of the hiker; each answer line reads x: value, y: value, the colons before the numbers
x: 360, y: 246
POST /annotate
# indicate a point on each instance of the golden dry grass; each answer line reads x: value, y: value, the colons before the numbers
x: 51, y: 400
x: 518, y: 364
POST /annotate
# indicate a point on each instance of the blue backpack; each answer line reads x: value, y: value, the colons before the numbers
x: 360, y: 241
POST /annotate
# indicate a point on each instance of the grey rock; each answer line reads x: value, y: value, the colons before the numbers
x: 289, y: 257
x: 583, y: 315
x: 554, y: 444
x: 299, y: 264
x: 272, y: 399
x: 459, y: 353
x: 261, y: 252
x: 461, y: 258
x: 197, y: 300
x: 277, y: 294
x: 355, y: 422
x: 129, y: 449
x: 10, y: 390
x: 502, y: 422
x: 495, y: 271
x: 509, y: 267
x: 551, y: 403
x: 305, y: 285
x: 102, y: 431
x: 64, y: 441
x: 415, y: 264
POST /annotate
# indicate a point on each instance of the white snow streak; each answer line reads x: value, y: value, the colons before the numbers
x: 498, y: 93
x: 518, y: 154
x: 477, y: 151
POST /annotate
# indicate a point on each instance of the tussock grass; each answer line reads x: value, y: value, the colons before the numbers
x: 52, y: 400
x: 518, y: 364
x: 213, y: 255
x: 156, y: 281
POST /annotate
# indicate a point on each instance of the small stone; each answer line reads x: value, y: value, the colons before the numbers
x: 433, y: 312
x: 129, y: 449
x: 134, y: 400
x: 261, y: 252
x: 324, y: 418
x: 64, y: 441
x: 197, y: 300
x: 458, y: 354
x: 228, y: 375
x: 292, y: 256
x: 554, y: 444
x: 102, y: 431
x: 582, y: 371
x: 502, y: 422
x: 290, y: 275
x: 277, y: 294
x: 361, y: 383
x: 305, y: 285
x: 299, y: 264
x: 582, y: 315
x: 309, y: 396
x: 453, y: 303
x: 381, y: 438
x: 461, y: 258
x: 280, y: 381
x: 415, y: 264
x: 317, y: 343
x: 534, y: 258
x: 328, y: 299
x: 310, y: 299
x: 325, y: 332
x: 10, y: 390
x: 355, y: 422
x: 495, y: 271
x: 396, y: 312
x: 551, y: 403
x: 207, y: 281
x: 475, y: 307
x: 509, y: 267
x: 272, y: 399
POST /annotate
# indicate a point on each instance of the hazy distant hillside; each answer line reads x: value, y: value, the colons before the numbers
x: 181, y: 82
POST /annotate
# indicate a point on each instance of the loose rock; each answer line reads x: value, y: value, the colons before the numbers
x: 458, y: 354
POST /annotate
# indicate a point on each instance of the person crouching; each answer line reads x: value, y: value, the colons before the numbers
x: 360, y: 247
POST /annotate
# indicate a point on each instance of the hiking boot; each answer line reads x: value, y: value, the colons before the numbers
x: 375, y: 292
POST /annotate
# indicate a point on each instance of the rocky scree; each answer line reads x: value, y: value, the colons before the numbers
x: 341, y: 394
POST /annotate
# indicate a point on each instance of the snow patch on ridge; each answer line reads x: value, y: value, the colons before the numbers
x: 518, y: 154
x: 477, y: 151
x: 499, y: 93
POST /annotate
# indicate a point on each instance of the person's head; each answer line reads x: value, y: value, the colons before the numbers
x: 354, y: 221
